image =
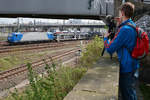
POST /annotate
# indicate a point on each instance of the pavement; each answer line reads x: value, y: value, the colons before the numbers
x: 99, y: 83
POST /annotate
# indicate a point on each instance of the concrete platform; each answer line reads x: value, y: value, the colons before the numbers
x: 99, y: 83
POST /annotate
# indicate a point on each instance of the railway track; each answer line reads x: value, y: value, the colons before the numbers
x: 4, y: 50
x: 2, y: 43
x: 25, y: 45
x: 30, y: 45
x: 15, y: 71
x: 8, y: 50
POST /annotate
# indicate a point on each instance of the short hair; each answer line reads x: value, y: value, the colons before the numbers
x: 128, y: 9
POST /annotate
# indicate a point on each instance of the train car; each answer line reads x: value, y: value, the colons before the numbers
x: 83, y: 36
x: 66, y: 35
x: 18, y: 37
x: 63, y: 35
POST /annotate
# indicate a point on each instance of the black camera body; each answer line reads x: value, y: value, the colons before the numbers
x: 110, y: 22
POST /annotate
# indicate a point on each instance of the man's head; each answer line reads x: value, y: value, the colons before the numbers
x: 126, y: 10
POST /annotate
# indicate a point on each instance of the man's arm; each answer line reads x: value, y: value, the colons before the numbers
x: 117, y: 42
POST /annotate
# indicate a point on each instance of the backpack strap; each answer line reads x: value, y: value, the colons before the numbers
x: 138, y: 30
x: 135, y: 28
x: 129, y: 24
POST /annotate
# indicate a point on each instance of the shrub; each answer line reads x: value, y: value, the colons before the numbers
x: 92, y: 52
x: 145, y: 91
x: 54, y: 86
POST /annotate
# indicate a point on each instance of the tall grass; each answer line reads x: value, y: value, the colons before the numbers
x: 92, y: 52
x: 53, y: 86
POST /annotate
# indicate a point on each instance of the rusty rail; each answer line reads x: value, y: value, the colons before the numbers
x: 23, y: 68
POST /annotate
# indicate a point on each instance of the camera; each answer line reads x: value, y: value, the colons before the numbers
x: 110, y: 23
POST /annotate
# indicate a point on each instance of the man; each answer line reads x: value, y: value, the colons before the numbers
x: 123, y: 43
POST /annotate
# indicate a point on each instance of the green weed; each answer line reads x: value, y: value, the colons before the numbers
x: 145, y: 91
x: 92, y: 52
x: 54, y: 86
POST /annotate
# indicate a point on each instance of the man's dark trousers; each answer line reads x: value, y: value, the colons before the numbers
x: 127, y: 84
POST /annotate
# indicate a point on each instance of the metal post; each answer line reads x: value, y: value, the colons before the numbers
x: 18, y: 24
x: 100, y: 12
x: 100, y: 9
x: 34, y: 24
x: 63, y: 25
x: 106, y: 8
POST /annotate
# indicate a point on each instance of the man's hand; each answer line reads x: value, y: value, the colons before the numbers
x: 106, y: 35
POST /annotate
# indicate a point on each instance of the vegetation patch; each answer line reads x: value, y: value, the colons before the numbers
x: 92, y: 52
x: 145, y: 91
x: 7, y: 62
x: 3, y: 38
x: 53, y: 86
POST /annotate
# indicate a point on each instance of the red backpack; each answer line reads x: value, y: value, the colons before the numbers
x: 141, y: 48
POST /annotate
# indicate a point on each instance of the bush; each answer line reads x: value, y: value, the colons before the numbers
x: 92, y: 52
x: 54, y: 86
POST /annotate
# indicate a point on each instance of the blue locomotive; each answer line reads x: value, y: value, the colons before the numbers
x: 18, y: 37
